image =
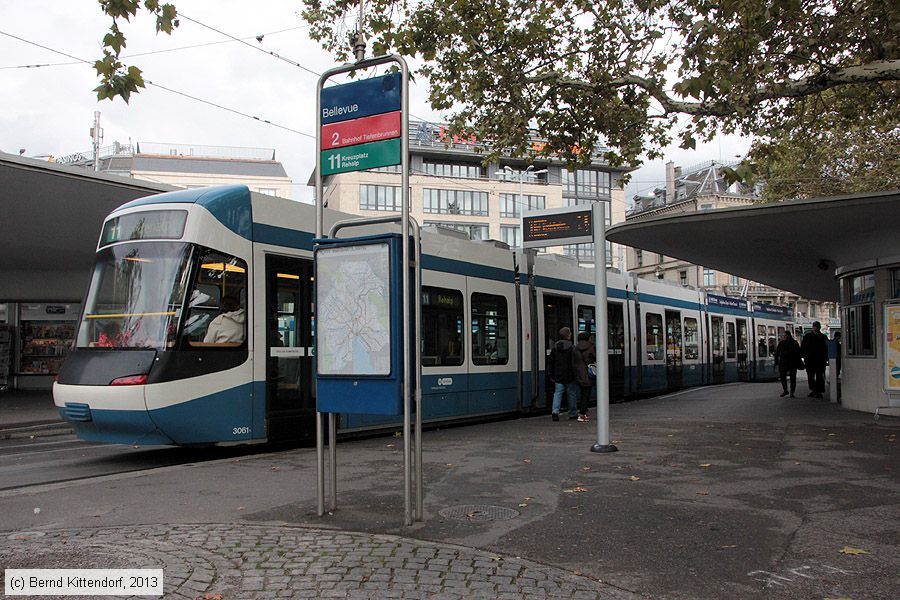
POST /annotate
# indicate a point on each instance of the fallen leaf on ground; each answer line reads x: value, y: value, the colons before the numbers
x: 527, y: 461
x: 728, y: 546
x: 705, y: 465
x: 209, y: 596
x: 522, y: 505
x: 242, y: 507
x: 700, y: 493
x: 391, y: 445
x: 585, y: 469
x: 634, y: 478
x: 849, y: 550
x: 575, y: 490
x: 275, y: 469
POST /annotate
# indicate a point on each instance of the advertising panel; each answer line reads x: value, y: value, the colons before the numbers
x: 892, y: 348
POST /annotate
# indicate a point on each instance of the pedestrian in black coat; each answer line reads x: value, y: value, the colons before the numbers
x: 787, y: 357
x: 814, y: 350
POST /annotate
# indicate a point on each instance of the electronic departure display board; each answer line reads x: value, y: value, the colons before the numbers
x: 557, y: 227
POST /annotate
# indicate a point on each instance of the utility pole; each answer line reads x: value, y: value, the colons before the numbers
x: 97, y: 136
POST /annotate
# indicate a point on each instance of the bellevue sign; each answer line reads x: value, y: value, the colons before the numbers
x: 360, y: 125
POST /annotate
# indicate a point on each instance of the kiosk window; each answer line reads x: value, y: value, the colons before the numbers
x: 442, y: 326
x: 655, y: 338
x: 490, y: 330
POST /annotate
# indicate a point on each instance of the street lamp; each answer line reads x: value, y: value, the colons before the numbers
x: 522, y: 174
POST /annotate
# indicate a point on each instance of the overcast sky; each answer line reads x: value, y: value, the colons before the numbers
x: 49, y: 109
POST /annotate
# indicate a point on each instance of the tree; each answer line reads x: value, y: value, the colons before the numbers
x: 115, y: 78
x: 620, y: 76
x: 626, y: 73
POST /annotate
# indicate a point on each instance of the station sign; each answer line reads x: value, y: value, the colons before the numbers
x: 360, y: 125
x: 557, y: 227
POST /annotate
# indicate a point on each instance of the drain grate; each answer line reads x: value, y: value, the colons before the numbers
x: 479, y: 512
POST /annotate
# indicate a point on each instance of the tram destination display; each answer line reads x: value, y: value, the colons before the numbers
x: 556, y: 227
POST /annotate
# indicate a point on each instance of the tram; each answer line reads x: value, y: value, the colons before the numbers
x: 198, y: 326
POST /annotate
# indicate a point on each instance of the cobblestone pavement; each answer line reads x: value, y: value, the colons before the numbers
x: 237, y: 561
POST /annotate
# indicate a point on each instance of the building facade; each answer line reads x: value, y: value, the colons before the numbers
x: 450, y: 187
x: 702, y: 188
x: 191, y: 166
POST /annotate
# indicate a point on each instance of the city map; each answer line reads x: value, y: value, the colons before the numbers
x: 352, y: 288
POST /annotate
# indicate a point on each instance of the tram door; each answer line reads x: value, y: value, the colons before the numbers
x: 290, y: 386
x: 674, y: 350
x: 743, y: 350
x: 557, y: 314
x: 717, y: 354
x: 616, y: 343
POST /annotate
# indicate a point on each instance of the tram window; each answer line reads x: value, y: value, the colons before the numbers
x: 218, y: 302
x: 773, y: 343
x: 655, y: 338
x: 442, y: 326
x: 586, y: 321
x: 490, y: 330
x: 761, y: 347
x: 691, y: 340
x: 730, y: 341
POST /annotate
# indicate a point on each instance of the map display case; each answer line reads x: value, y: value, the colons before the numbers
x: 358, y: 307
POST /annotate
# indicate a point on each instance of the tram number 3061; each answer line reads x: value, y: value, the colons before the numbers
x: 240, y: 430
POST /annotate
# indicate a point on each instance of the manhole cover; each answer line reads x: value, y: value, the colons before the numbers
x: 479, y: 512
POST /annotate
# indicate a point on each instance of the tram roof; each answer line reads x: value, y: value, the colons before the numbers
x: 51, y: 213
x: 795, y: 246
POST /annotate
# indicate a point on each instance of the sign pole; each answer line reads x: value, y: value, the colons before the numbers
x: 598, y: 219
x: 320, y: 226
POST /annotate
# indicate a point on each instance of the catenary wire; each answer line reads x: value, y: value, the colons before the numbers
x: 168, y: 89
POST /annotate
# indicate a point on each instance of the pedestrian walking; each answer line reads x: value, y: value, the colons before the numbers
x: 814, y: 350
x: 787, y: 357
x: 586, y: 355
x: 561, y: 370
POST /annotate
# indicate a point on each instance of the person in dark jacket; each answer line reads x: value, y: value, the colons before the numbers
x: 814, y: 350
x: 585, y: 355
x: 787, y: 357
x: 561, y: 370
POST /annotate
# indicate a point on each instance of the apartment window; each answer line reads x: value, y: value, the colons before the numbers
x: 585, y: 182
x: 860, y: 321
x: 267, y: 191
x: 659, y: 259
x: 511, y: 235
x: 709, y: 277
x: 379, y: 197
x: 682, y: 277
x: 706, y: 207
x: 512, y: 205
x: 475, y: 231
x: 639, y: 257
x: 390, y: 169
x: 453, y: 169
x: 734, y: 280
x: 455, y: 202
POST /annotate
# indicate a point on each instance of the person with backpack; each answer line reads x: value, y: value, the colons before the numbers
x: 586, y: 355
x: 561, y: 371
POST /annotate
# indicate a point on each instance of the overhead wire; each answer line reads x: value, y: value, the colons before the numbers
x: 168, y: 89
x: 163, y: 51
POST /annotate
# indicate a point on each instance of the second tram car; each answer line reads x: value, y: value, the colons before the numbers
x: 198, y: 326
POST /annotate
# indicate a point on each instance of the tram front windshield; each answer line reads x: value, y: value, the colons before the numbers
x: 136, y: 296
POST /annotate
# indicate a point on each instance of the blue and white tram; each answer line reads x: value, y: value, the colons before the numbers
x: 198, y: 326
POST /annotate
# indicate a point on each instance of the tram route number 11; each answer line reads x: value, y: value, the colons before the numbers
x: 342, y: 161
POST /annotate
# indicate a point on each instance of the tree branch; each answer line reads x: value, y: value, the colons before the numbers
x: 885, y: 70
